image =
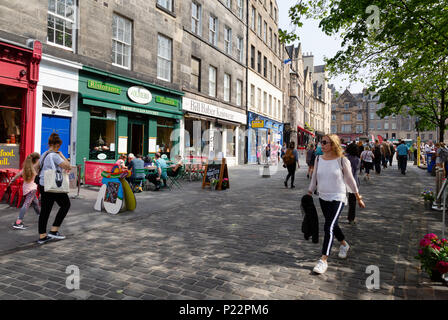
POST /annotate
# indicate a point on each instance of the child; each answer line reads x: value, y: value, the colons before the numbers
x: 28, y: 173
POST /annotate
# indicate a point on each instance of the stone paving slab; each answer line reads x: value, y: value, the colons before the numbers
x: 241, y: 243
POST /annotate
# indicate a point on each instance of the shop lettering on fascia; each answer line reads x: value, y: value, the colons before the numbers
x: 119, y: 115
x: 206, y: 109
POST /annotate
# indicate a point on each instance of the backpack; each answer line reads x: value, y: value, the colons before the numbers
x: 289, y: 158
x: 443, y: 154
x: 377, y: 152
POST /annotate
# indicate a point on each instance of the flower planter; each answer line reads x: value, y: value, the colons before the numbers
x: 436, y: 276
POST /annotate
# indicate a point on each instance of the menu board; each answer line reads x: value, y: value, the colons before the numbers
x: 216, y: 170
x: 9, y: 156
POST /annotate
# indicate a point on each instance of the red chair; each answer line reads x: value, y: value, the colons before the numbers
x: 16, y: 188
x: 3, y: 188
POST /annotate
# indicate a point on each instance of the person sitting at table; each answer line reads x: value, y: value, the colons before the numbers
x: 173, y: 171
x: 137, y: 164
x: 130, y: 158
x: 159, y: 174
x: 148, y: 161
x: 121, y: 162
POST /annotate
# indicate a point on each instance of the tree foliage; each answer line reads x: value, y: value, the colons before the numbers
x: 401, y: 53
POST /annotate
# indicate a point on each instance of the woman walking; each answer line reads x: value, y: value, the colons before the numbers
x: 353, y: 156
x: 333, y: 176
x: 367, y: 158
x: 29, y: 188
x: 310, y: 157
x: 291, y: 159
x: 51, y: 160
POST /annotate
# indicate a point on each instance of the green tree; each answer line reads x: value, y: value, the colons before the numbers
x: 398, y: 48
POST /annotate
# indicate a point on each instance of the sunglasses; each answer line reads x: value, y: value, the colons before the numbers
x: 324, y: 142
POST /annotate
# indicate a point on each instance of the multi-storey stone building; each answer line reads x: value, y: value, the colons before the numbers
x: 264, y: 77
x: 349, y: 117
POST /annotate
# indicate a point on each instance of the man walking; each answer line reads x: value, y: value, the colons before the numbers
x: 392, y: 151
x: 402, y: 156
x: 377, y: 159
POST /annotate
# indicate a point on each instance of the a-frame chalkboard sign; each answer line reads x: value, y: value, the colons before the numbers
x: 216, y: 169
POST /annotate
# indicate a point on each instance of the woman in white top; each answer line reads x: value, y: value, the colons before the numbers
x: 333, y: 178
x: 367, y: 156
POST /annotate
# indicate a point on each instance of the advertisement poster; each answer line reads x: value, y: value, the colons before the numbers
x: 93, y: 172
x: 9, y: 156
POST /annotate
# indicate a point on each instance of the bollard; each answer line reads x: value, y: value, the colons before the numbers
x: 437, y: 205
x: 266, y: 172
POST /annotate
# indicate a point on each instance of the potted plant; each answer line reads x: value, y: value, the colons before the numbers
x: 429, y: 198
x: 225, y: 183
x: 433, y: 256
x: 214, y: 183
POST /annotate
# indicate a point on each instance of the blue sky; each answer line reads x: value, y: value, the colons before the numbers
x: 316, y: 42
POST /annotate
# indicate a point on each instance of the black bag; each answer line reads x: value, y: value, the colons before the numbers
x: 37, y: 178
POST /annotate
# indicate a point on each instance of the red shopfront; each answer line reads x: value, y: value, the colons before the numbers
x: 19, y: 74
x: 304, y: 137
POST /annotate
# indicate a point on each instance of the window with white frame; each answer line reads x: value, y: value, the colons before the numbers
x: 275, y: 75
x: 359, y: 128
x: 167, y: 4
x: 252, y: 96
x: 213, y: 30
x: 359, y: 116
x: 275, y: 107
x: 212, y: 81
x: 346, y: 128
x: 122, y: 41
x: 265, y: 32
x: 240, y: 8
x: 61, y: 23
x: 372, y: 115
x: 386, y: 125
x: 334, y: 128
x: 259, y: 99
x: 227, y: 82
x: 275, y: 43
x: 229, y: 4
x: 346, y: 117
x: 378, y: 126
x: 228, y: 40
x: 270, y: 105
x: 260, y: 21
x: 279, y: 109
x: 240, y: 49
x: 252, y: 18
x: 196, y: 17
x: 164, y: 58
x: 270, y: 38
x: 239, y: 92
x: 265, y: 102
x: 394, y: 125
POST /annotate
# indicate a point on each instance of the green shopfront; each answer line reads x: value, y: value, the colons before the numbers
x: 118, y: 115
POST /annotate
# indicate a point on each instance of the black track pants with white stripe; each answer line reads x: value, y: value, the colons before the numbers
x: 331, y: 210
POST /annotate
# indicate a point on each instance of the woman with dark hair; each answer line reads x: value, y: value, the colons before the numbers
x: 352, y: 153
x: 51, y: 160
x: 290, y: 159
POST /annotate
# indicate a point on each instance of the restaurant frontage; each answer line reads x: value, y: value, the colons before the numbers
x: 19, y: 75
x: 118, y: 115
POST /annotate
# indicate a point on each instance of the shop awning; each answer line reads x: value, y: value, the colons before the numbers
x: 122, y: 107
x: 304, y: 130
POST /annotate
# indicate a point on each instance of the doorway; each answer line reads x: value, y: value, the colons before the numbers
x: 60, y: 125
x: 137, y: 136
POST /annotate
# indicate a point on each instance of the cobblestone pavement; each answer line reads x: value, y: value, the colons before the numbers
x: 241, y: 243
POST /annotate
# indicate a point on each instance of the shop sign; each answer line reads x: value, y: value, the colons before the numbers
x: 139, y: 95
x: 168, y: 101
x: 145, y: 111
x: 212, y: 111
x: 9, y: 156
x: 98, y: 85
x: 257, y: 123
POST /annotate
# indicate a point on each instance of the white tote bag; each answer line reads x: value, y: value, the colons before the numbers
x: 56, y: 180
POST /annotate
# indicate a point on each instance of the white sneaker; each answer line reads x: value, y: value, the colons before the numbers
x: 320, y: 267
x: 343, y: 251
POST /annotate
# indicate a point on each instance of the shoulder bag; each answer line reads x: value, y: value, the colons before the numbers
x: 56, y: 180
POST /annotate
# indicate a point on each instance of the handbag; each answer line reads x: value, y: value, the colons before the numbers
x: 56, y: 181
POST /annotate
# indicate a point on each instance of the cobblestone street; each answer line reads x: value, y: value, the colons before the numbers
x: 241, y: 243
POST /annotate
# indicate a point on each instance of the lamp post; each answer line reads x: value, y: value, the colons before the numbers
x: 418, y: 141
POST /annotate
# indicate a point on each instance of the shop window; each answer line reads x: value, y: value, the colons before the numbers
x: 102, y: 137
x: 11, y: 100
x: 61, y: 23
x: 165, y: 128
x: 122, y: 41
x: 230, y: 141
x: 56, y: 100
